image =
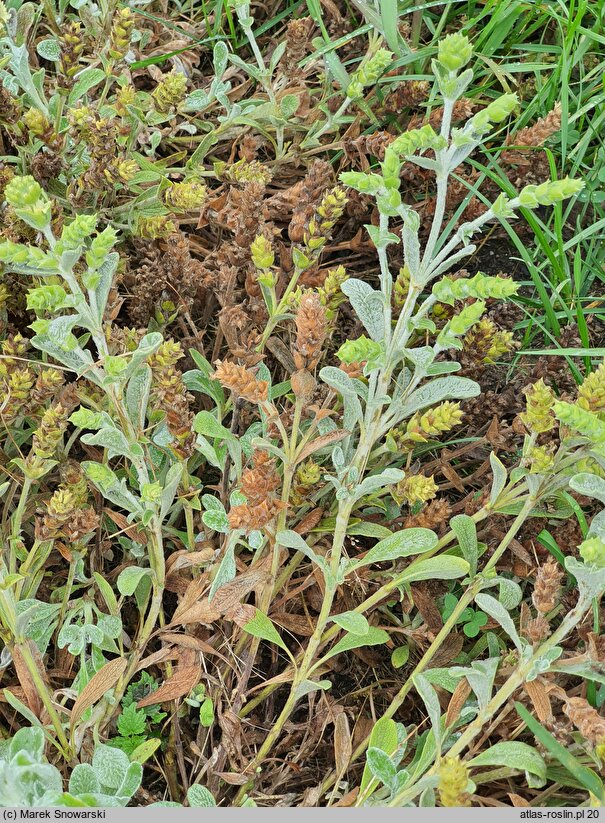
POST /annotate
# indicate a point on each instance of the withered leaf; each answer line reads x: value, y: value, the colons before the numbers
x: 25, y: 679
x: 321, y: 442
x: 518, y: 801
x: 343, y: 747
x: 184, y: 559
x: 457, y: 701
x: 98, y: 685
x: 538, y: 695
x: 298, y: 624
x: 241, y: 614
x: 179, y: 685
x: 451, y: 648
x: 425, y: 603
x: 225, y: 598
x: 348, y: 799
x: 309, y: 521
x: 187, y: 641
x: 232, y: 778
x: 167, y: 653
x: 136, y: 534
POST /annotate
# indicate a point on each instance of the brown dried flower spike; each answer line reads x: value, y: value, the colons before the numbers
x: 311, y: 331
x: 587, y: 720
x: 241, y: 381
x: 259, y: 484
x: 547, y: 587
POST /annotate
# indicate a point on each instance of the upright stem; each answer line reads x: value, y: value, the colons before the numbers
x: 516, y: 679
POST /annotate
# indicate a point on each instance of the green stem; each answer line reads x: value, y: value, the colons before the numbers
x: 17, y: 522
x: 517, y: 678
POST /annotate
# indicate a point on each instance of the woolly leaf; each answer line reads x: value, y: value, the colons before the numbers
x: 368, y: 305
x: 437, y: 568
x: 352, y: 622
x: 381, y: 766
x: 513, y: 754
x: 384, y: 738
x: 465, y: 530
x: 49, y: 50
x: 499, y: 478
x: 110, y: 765
x: 200, y: 797
x: 400, y: 544
x: 129, y: 578
x: 495, y: 609
x: 443, y: 388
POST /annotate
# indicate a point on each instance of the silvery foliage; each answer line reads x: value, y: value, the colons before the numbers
x: 420, y: 381
x: 277, y: 113
x: 402, y: 378
x: 79, y: 302
x: 27, y: 779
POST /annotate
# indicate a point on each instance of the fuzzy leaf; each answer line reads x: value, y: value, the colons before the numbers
x: 491, y: 606
x: 371, y: 484
x: 129, y: 578
x: 83, y: 780
x: 137, y: 396
x: 309, y: 686
x: 384, y: 738
x: 431, y: 701
x: 200, y: 797
x: 499, y: 478
x: 465, y: 530
x: 352, y: 622
x: 381, y: 766
x: 443, y: 388
x: 368, y: 305
x: 49, y: 50
x: 400, y: 544
x: 85, y: 81
x: 110, y: 765
x: 292, y: 540
x: 171, y: 484
x: 216, y: 520
x: 589, y: 485
x: 206, y: 423
x: 514, y: 755
x: 226, y: 571
x: 111, y: 439
x: 445, y: 567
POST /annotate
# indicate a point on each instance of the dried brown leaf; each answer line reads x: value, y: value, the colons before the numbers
x: 343, y: 747
x: 309, y: 521
x: 298, y: 624
x: 232, y: 778
x: 98, y: 685
x: 136, y: 534
x: 187, y: 641
x: 451, y: 648
x: 348, y: 799
x: 179, y: 685
x: 425, y: 603
x: 25, y: 679
x: 538, y: 695
x: 184, y: 559
x: 457, y: 701
x: 321, y: 443
x: 226, y: 598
